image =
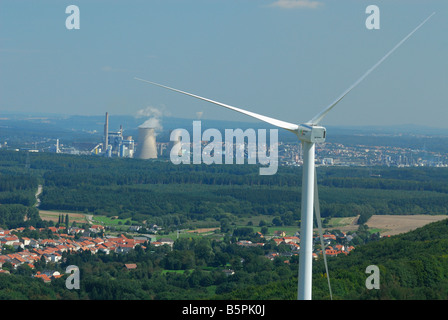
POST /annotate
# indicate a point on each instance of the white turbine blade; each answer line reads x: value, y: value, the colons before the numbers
x: 275, y: 122
x: 319, y: 226
x: 318, y: 118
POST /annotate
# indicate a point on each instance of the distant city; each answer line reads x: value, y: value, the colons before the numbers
x: 121, y: 143
x: 337, y: 154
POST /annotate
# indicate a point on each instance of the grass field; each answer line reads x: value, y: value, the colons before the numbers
x: 110, y: 221
x: 342, y: 222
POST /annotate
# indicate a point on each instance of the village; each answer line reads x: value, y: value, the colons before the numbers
x: 28, y: 251
x: 293, y: 242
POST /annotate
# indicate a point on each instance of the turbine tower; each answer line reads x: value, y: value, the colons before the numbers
x: 309, y: 133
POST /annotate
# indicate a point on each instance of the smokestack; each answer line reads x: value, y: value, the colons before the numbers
x: 106, y: 132
x: 146, y: 143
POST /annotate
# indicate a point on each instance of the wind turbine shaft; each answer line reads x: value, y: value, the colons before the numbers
x: 306, y: 223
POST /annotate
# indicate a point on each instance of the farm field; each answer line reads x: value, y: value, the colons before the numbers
x: 54, y: 215
x: 396, y: 224
x: 388, y: 225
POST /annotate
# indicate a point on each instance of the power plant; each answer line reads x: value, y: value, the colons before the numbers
x: 116, y: 145
x: 147, y: 148
x: 127, y: 148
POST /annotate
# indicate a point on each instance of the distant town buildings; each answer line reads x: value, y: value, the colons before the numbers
x: 337, y: 154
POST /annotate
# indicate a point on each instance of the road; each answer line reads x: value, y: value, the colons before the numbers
x: 39, y: 191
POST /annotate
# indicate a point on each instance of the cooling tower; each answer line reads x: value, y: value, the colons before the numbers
x: 147, y: 148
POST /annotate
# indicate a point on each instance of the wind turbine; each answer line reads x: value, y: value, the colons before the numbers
x: 309, y: 133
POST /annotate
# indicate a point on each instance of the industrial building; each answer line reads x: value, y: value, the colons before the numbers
x: 114, y: 144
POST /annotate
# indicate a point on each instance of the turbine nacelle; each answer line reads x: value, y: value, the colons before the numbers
x: 312, y: 134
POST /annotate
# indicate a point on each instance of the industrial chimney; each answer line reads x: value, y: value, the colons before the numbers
x: 106, y: 132
x: 146, y: 143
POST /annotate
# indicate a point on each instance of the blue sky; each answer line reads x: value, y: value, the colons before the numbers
x: 287, y: 59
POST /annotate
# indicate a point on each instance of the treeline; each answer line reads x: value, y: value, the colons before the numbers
x: 17, y: 188
x: 158, y: 172
x: 70, y: 171
x: 17, y: 192
x: 16, y: 215
x: 25, y: 198
x: 195, y: 201
x: 387, y: 184
x: 17, y: 182
x: 187, y: 202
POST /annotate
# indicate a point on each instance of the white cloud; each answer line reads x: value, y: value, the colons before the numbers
x: 149, y: 112
x: 292, y: 4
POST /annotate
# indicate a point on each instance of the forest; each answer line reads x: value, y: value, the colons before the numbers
x: 146, y: 190
x: 172, y: 195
